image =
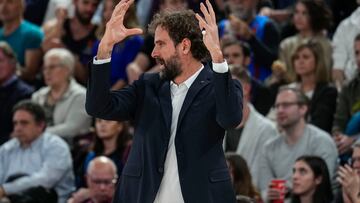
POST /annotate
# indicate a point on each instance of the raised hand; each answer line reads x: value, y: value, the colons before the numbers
x: 210, y: 31
x: 115, y: 30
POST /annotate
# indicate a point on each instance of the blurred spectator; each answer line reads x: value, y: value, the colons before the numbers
x: 237, y: 53
x: 344, y: 68
x: 313, y: 78
x: 62, y: 98
x: 24, y: 38
x: 75, y: 33
x: 311, y: 181
x: 12, y: 89
x: 39, y: 160
x: 101, y: 178
x: 278, y: 78
x: 241, y: 177
x: 112, y: 140
x: 297, y: 138
x: 243, y: 139
x: 259, y: 31
x: 349, y: 178
x: 346, y: 129
x: 143, y: 61
x: 311, y: 18
x: 123, y: 53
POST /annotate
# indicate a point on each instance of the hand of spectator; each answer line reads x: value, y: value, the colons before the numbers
x: 115, y: 30
x: 274, y: 193
x: 240, y: 27
x: 2, y: 192
x: 133, y: 72
x: 350, y: 182
x: 343, y: 142
x: 338, y: 77
x: 209, y: 29
x: 61, y: 14
x: 81, y: 195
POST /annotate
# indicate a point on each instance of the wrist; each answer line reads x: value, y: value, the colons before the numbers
x: 217, y: 56
x: 104, y: 51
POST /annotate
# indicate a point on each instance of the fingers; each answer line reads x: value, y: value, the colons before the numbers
x: 134, y: 31
x: 202, y: 23
x: 211, y: 11
x: 121, y: 8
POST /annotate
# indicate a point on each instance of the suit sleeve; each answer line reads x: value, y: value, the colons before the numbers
x: 228, y: 96
x: 103, y: 103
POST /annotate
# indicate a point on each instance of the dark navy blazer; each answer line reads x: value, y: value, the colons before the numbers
x: 213, y: 103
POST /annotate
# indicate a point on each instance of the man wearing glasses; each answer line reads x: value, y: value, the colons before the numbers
x: 349, y: 178
x: 297, y: 138
x: 101, y: 179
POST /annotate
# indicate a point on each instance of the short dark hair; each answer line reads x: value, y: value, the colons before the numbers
x: 33, y: 108
x: 240, y: 73
x: 319, y: 13
x: 302, y: 99
x: 182, y: 25
x: 323, y: 192
x: 245, y: 47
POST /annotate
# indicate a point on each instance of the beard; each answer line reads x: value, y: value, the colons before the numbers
x: 172, y: 67
x: 82, y: 19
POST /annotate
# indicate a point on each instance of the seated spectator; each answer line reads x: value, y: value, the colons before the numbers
x: 24, y: 38
x: 41, y: 161
x: 112, y: 140
x: 123, y: 53
x: 297, y: 138
x: 12, y: 90
x: 314, y: 80
x: 311, y: 19
x: 311, y: 181
x: 76, y: 33
x: 346, y: 128
x: 238, y: 53
x: 101, y: 178
x: 62, y: 98
x: 241, y: 177
x: 278, y: 78
x: 344, y: 68
x: 243, y: 139
x: 349, y: 178
x: 259, y: 32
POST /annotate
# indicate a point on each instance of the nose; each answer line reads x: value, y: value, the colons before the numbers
x: 155, y: 53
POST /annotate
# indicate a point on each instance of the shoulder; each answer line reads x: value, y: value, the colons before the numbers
x: 42, y: 92
x: 52, y: 142
x: 318, y: 135
x: 31, y: 29
x: 8, y: 146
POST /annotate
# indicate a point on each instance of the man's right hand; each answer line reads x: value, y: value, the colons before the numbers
x: 338, y: 77
x: 115, y: 30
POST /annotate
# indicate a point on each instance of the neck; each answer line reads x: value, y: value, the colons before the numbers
x: 75, y: 21
x: 307, y: 198
x: 308, y: 82
x: 189, y: 67
x: 110, y: 145
x: 59, y: 89
x: 11, y: 26
x: 306, y: 33
x: 295, y: 132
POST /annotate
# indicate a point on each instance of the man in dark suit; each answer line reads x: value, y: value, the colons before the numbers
x: 180, y: 114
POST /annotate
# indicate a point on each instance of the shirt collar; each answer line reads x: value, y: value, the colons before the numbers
x: 188, y: 82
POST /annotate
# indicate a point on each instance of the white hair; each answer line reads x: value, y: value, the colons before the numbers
x: 66, y: 58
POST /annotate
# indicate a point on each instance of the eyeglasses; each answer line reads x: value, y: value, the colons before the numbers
x: 285, y: 104
x: 52, y: 67
x: 352, y: 160
x: 107, y: 182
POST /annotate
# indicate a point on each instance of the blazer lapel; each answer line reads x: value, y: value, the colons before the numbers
x: 165, y: 103
x: 201, y: 81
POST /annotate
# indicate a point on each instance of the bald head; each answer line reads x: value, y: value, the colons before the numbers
x: 101, y: 164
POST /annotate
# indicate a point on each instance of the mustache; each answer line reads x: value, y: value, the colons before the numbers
x: 160, y: 61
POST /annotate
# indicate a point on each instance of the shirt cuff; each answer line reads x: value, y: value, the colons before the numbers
x: 221, y: 67
x: 101, y: 61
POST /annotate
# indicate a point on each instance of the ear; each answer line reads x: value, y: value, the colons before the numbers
x: 304, y: 109
x: 185, y: 46
x: 318, y: 180
x: 247, y: 61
